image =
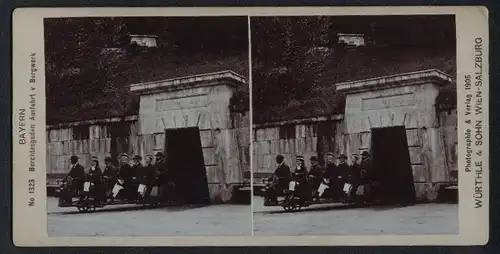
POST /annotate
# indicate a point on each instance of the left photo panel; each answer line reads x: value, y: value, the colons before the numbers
x: 147, y: 126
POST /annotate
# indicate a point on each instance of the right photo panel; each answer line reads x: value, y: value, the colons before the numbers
x: 354, y: 125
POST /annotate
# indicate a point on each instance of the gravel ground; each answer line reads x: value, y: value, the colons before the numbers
x: 338, y: 220
x: 235, y: 220
x: 130, y: 220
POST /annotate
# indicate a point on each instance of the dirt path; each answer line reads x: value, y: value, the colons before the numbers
x: 126, y: 220
x: 338, y: 220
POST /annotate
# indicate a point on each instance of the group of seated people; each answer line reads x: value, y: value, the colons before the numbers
x: 315, y: 182
x: 131, y: 180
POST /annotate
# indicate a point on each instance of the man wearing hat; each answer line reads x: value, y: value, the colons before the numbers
x: 343, y: 169
x: 333, y: 175
x: 110, y: 174
x: 126, y: 175
x: 316, y: 173
x: 137, y: 171
x: 331, y: 168
x: 365, y: 165
x: 76, y: 174
x: 355, y: 160
x: 345, y: 174
x: 163, y: 178
x: 365, y: 171
x: 93, y: 176
x: 282, y: 176
x: 282, y: 170
x: 147, y: 175
x: 160, y: 167
x: 137, y: 166
x: 355, y: 175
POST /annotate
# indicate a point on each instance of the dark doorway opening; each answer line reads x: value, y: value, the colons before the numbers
x: 392, y: 165
x: 185, y: 160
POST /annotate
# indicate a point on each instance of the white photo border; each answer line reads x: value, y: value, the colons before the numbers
x: 30, y: 222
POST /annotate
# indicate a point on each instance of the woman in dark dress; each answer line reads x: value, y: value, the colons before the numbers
x: 93, y: 176
x: 300, y: 169
x: 300, y: 175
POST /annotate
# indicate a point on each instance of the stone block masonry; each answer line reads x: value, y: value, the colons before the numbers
x: 407, y: 99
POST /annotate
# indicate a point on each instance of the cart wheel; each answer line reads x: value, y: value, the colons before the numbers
x: 288, y: 200
x: 291, y: 207
x: 83, y: 209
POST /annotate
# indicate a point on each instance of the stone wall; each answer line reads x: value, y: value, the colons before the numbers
x: 407, y: 100
x: 234, y: 148
x: 197, y: 101
x: 306, y: 137
x: 86, y: 139
x: 428, y: 177
x: 200, y: 101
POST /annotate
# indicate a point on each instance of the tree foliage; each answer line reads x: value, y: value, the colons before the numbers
x: 296, y: 61
x: 90, y: 61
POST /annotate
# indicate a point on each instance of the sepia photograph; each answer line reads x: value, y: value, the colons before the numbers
x: 355, y: 125
x: 147, y: 126
x: 263, y: 126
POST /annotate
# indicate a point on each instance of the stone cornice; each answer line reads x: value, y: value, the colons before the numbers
x: 202, y: 80
x: 406, y: 79
x: 337, y: 117
x: 92, y: 122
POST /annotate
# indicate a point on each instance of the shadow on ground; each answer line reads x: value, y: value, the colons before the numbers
x: 171, y: 208
x: 332, y: 207
x: 336, y: 206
